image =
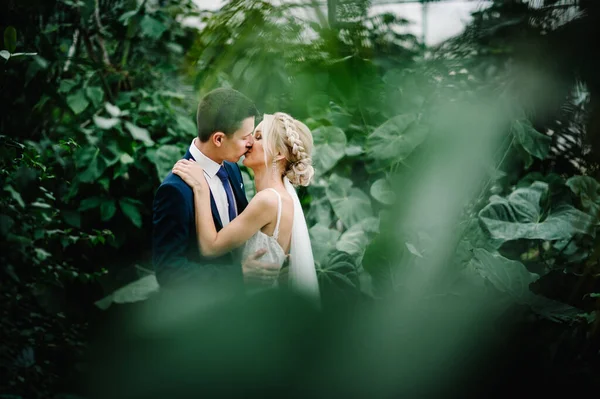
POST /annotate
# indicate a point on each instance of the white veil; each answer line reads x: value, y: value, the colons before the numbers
x: 302, y: 273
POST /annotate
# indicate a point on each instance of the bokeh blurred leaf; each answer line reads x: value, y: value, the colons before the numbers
x: 520, y: 216
x: 396, y: 139
x: 152, y: 27
x: 350, y: 204
x: 323, y: 241
x: 139, y: 133
x: 534, y: 142
x: 107, y: 209
x: 588, y: 190
x: 105, y: 123
x: 165, y: 157
x: 131, y: 210
x: 382, y: 192
x: 330, y: 142
x: 10, y: 39
x: 78, y: 102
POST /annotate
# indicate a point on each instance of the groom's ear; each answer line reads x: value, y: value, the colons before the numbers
x: 218, y: 138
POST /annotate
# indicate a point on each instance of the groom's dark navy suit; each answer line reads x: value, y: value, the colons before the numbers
x: 175, y: 252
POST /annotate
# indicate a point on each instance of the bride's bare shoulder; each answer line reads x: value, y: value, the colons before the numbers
x: 265, y: 199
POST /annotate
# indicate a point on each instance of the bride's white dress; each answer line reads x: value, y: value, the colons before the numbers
x: 302, y: 274
x: 275, y: 253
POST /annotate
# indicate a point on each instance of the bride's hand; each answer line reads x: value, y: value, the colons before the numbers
x: 191, y: 173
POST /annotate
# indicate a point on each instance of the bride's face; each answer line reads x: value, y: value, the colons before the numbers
x: 255, y: 157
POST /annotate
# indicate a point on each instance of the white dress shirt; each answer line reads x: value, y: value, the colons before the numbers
x: 214, y: 182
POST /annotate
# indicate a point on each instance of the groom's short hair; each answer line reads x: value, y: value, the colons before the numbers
x: 223, y: 110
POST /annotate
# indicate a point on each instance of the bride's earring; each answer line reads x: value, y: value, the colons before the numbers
x: 274, y: 166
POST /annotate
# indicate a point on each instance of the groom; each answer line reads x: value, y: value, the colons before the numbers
x: 225, y: 121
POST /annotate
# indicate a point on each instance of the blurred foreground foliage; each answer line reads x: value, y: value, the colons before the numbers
x: 473, y: 163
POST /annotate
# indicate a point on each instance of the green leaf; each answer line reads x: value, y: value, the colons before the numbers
x: 350, y: 204
x: 72, y: 218
x: 5, y: 54
x: 396, y: 139
x: 15, y: 195
x: 89, y: 203
x: 534, y: 142
x: 130, y: 210
x: 329, y: 142
x: 6, y: 223
x: 107, y: 209
x: 520, y: 216
x: 413, y: 250
x: 588, y: 190
x: 139, y: 133
x: 382, y: 192
x: 127, y: 16
x: 96, y: 94
x: 355, y: 240
x: 126, y: 159
x: 105, y: 123
x: 323, y: 241
x: 93, y: 171
x: 113, y: 110
x: 42, y: 254
x: 10, y: 39
x: 512, y: 278
x: 66, y: 85
x: 187, y: 126
x: 77, y: 102
x: 152, y: 27
x: 165, y: 158
x: 318, y: 106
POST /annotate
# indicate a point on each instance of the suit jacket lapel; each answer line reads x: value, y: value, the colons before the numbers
x: 213, y: 204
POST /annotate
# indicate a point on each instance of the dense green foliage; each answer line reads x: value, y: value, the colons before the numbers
x: 473, y: 160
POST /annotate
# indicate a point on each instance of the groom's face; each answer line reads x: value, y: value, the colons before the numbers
x: 237, y: 144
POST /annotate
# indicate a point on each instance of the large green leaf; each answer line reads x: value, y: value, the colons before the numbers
x: 355, y: 240
x: 396, y: 139
x: 131, y: 210
x: 534, y: 142
x: 107, y: 209
x: 350, y: 204
x: 187, y: 126
x: 513, y: 278
x: 78, y: 102
x: 152, y: 27
x: 165, y: 158
x: 105, y: 123
x: 330, y: 142
x: 96, y: 94
x: 382, y: 192
x: 139, y: 133
x: 588, y: 190
x: 520, y: 216
x: 323, y: 241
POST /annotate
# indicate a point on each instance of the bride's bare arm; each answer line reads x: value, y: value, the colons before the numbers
x: 259, y: 212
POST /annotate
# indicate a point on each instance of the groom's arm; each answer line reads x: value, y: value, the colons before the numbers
x: 170, y: 238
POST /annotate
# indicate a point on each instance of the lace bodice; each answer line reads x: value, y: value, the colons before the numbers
x: 275, y: 253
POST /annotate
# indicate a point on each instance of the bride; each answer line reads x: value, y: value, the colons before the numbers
x: 273, y: 220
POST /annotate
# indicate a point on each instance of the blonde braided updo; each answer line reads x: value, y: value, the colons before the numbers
x: 294, y: 141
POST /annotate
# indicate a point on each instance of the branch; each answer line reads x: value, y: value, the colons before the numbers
x: 99, y: 37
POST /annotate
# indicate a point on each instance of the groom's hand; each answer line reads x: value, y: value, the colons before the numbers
x: 257, y: 272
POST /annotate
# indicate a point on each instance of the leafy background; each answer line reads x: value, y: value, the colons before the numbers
x: 468, y: 167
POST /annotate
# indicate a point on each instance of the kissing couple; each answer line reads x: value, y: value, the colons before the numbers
x: 204, y: 229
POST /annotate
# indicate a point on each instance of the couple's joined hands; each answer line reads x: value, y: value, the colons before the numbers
x: 263, y: 274
x: 255, y: 272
